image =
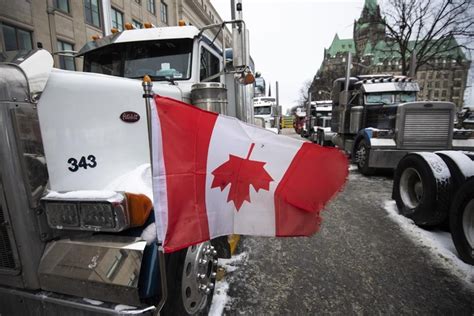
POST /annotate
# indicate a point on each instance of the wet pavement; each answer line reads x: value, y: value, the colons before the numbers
x: 361, y: 262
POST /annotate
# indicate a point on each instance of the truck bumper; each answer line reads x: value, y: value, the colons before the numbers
x: 20, y: 302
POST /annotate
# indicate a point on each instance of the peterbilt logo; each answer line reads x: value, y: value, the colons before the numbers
x: 130, y: 117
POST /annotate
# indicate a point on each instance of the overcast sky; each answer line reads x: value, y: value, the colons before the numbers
x: 288, y: 37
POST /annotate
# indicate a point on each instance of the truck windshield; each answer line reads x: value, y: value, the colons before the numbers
x: 390, y: 97
x: 378, y: 98
x: 263, y: 110
x: 161, y: 60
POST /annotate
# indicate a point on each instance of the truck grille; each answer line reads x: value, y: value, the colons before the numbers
x: 7, y: 261
x: 426, y: 129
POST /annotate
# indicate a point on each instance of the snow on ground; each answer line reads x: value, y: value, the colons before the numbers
x: 439, y: 242
x: 220, y: 298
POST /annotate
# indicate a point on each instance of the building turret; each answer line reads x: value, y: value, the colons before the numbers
x: 369, y: 27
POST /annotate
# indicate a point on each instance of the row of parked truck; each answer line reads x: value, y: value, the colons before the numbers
x: 378, y: 122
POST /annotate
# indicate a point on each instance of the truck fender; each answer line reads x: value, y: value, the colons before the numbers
x: 463, y: 162
x: 363, y: 134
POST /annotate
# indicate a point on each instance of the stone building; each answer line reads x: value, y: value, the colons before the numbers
x: 444, y: 79
x: 59, y: 25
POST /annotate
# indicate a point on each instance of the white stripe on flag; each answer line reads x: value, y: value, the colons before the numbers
x: 231, y: 136
x: 159, y: 176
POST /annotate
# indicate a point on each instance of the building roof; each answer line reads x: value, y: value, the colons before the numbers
x: 386, y: 50
x: 341, y: 46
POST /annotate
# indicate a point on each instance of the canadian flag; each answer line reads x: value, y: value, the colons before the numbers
x: 214, y: 175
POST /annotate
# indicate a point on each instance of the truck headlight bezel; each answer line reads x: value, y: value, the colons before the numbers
x: 101, y: 215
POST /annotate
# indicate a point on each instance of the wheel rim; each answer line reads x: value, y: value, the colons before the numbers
x: 361, y: 156
x: 198, y: 276
x: 411, y: 188
x: 468, y: 223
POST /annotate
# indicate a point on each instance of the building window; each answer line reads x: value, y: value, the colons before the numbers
x: 139, y: 2
x: 164, y: 12
x: 62, y: 5
x: 443, y: 93
x: 16, y: 39
x: 150, y: 6
x: 66, y: 62
x: 92, y: 12
x: 138, y: 25
x: 117, y: 19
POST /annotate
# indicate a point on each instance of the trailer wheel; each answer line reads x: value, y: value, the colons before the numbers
x: 420, y: 196
x: 361, y: 158
x: 191, y: 277
x: 462, y: 221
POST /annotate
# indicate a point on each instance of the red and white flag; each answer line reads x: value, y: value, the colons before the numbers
x: 214, y: 175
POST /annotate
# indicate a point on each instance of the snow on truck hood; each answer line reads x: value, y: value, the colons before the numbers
x: 87, y: 144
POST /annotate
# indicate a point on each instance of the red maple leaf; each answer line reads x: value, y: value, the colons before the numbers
x: 240, y: 174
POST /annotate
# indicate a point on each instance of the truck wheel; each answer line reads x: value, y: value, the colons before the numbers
x: 191, y: 277
x: 462, y: 221
x: 361, y: 158
x: 419, y: 194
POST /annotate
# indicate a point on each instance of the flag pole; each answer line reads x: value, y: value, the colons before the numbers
x: 147, y: 85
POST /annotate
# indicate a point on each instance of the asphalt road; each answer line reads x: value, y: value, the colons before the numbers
x: 359, y: 263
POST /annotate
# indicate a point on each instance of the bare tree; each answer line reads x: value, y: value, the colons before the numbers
x: 429, y: 28
x: 303, y: 92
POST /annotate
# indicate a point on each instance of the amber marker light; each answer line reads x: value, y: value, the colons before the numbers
x: 147, y: 25
x: 128, y: 26
x: 181, y: 23
x: 249, y: 78
x: 139, y: 208
x: 114, y: 30
x: 146, y: 79
x: 95, y: 37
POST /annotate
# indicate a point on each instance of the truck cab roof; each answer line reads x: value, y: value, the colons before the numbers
x: 138, y: 35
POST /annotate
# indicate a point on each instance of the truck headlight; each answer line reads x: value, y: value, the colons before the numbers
x: 114, y: 214
x: 462, y: 134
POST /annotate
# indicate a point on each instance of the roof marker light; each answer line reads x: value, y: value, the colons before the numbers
x: 181, y: 23
x: 129, y: 26
x: 95, y: 37
x: 147, y: 25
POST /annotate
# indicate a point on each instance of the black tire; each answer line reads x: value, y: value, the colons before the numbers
x: 461, y: 221
x: 457, y: 179
x: 419, y: 195
x: 361, y: 158
x: 178, y: 302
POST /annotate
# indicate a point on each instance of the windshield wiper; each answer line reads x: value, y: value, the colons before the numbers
x: 156, y: 78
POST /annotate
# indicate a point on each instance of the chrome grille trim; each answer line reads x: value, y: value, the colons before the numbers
x: 426, y: 129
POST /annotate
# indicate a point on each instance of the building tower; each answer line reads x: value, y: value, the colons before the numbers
x: 369, y: 29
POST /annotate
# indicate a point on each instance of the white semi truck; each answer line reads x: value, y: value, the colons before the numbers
x: 266, y: 109
x: 317, y: 126
x: 76, y: 224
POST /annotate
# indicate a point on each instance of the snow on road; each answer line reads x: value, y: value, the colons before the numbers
x: 439, y: 243
x: 220, y: 298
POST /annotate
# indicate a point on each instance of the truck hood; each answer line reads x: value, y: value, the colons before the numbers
x: 87, y: 138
